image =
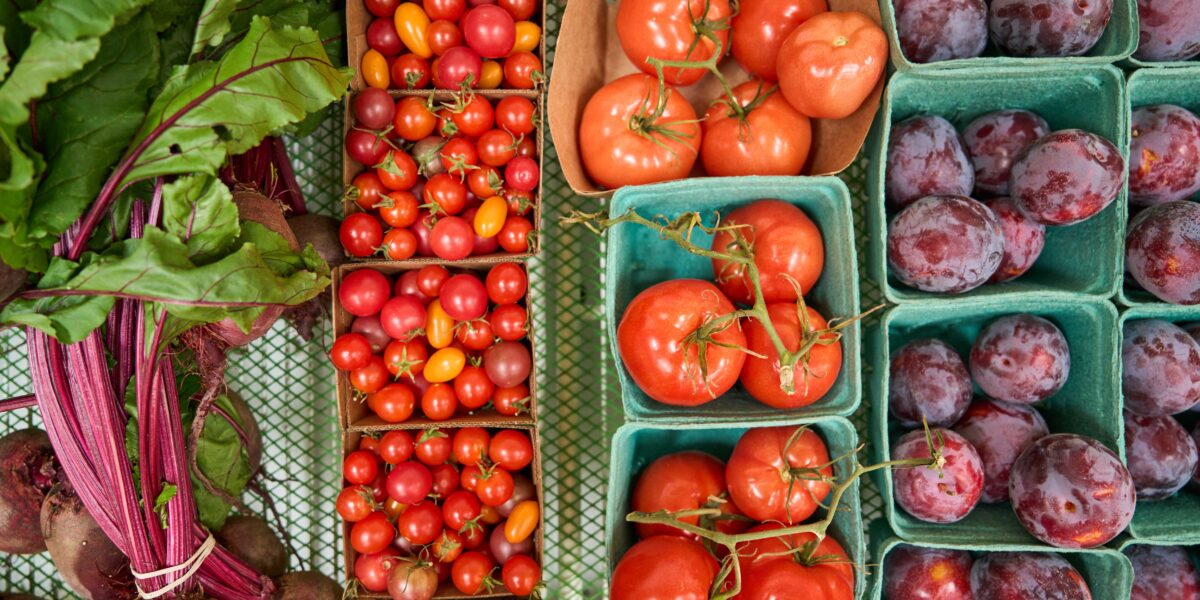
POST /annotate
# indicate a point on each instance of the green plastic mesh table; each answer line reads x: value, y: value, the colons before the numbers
x: 289, y: 384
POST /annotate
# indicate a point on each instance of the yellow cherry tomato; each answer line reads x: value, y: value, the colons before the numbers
x: 439, y: 326
x: 411, y: 24
x: 491, y: 75
x: 490, y: 217
x: 521, y: 521
x: 444, y: 365
x: 489, y: 515
x: 375, y: 69
x: 528, y: 36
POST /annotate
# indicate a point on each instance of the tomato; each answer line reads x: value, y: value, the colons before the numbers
x: 403, y: 317
x: 490, y: 217
x: 371, y: 378
x: 520, y: 10
x: 473, y: 537
x: 460, y: 510
x: 527, y: 147
x: 470, y: 445
x: 464, y: 297
x: 397, y: 170
x: 439, y: 402
x: 412, y: 580
x: 420, y: 523
x: 485, y: 182
x: 350, y: 351
x: 512, y: 401
x: 363, y: 292
x: 665, y: 566
x: 514, y: 235
x: 354, y: 503
x: 764, y: 478
x: 831, y: 63
x: 474, y: 335
x: 445, y: 480
x: 472, y: 572
x: 684, y: 481
x: 396, y: 446
x: 381, y: 8
x: 360, y: 234
x: 495, y: 486
x: 670, y: 30
x: 446, y: 193
x: 452, y: 238
x: 374, y: 69
x: 366, y: 190
x: 622, y: 145
x: 360, y: 467
x: 489, y: 30
x: 413, y: 121
x: 496, y: 147
x: 515, y: 115
x: 399, y: 244
x: 761, y: 26
x: 473, y: 118
x: 379, y: 488
x: 523, y: 70
x: 372, y: 534
x: 490, y: 515
x: 405, y: 358
x: 410, y: 72
x: 409, y: 482
x: 367, y: 442
x: 433, y: 447
x: 528, y: 35
x: 470, y: 477
x: 473, y: 387
x: 512, y: 450
x: 507, y: 363
x: 430, y: 279
x: 521, y: 575
x: 772, y: 139
x: 411, y: 24
x: 821, y: 572
x: 521, y: 522
x: 459, y: 157
x: 448, y: 546
x: 394, y: 403
x: 509, y: 322
x: 491, y: 74
x: 439, y: 327
x: 369, y: 328
x: 365, y: 147
x: 786, y: 244
x: 813, y: 379
x: 371, y: 570
x: 382, y: 36
x: 443, y: 35
x: 506, y: 283
x: 400, y: 210
x: 450, y: 10
x: 444, y: 365
x: 461, y: 66
x: 522, y: 173
x: 392, y: 508
x: 373, y: 108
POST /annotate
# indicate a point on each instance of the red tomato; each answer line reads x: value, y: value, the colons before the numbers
x: 409, y: 482
x: 523, y: 70
x: 823, y: 573
x: 382, y: 36
x: 470, y: 445
x: 413, y: 120
x: 399, y: 210
x: 469, y: 478
x: 496, y: 147
x: 406, y: 358
x: 360, y: 467
x: 360, y: 234
x: 665, y: 566
x: 509, y: 321
x: 446, y: 193
x: 683, y: 481
x: 522, y: 173
x: 812, y: 379
x: 397, y: 171
x: 399, y: 244
x: 511, y: 449
x: 650, y: 338
x: 367, y: 442
x: 460, y: 510
x: 450, y: 10
x: 448, y: 546
x: 420, y: 523
x: 464, y: 297
x: 445, y: 480
x: 396, y: 447
x: 439, y: 402
x: 494, y: 487
x: 489, y: 30
x: 354, y: 503
x: 514, y: 235
x: 763, y: 478
x: 521, y: 575
x: 459, y: 157
x: 473, y: 538
x: 410, y: 72
x: 367, y: 189
x: 527, y: 147
x: 371, y: 378
x: 760, y: 26
x: 485, y: 181
x: 473, y: 387
x: 470, y: 571
x: 506, y: 283
x: 371, y: 570
x: 669, y: 30
x: 473, y: 118
x: 474, y: 335
x: 394, y: 403
x: 831, y: 63
x: 771, y: 139
x: 430, y: 279
x: 519, y: 202
x: 373, y: 108
x: 515, y: 115
x: 381, y: 8
x: 512, y: 401
x: 622, y: 146
x: 443, y: 35
x: 520, y: 10
x: 372, y: 534
x: 366, y: 147
x: 786, y: 243
x: 350, y: 351
x: 459, y: 67
x: 452, y: 238
x: 403, y: 317
x: 433, y: 447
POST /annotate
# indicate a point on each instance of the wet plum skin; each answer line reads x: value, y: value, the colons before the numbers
x: 1024, y: 240
x: 995, y: 140
x: 1020, y: 358
x: 1025, y: 575
x: 1160, y: 368
x: 1169, y: 30
x: 1039, y: 28
x: 1067, y: 177
x: 1072, y: 492
x: 1196, y: 473
x: 937, y: 30
x: 922, y: 493
x: 1162, y: 573
x: 1160, y: 453
x: 945, y: 244
x: 912, y: 573
x: 1162, y: 251
x: 1164, y: 155
x: 926, y: 157
x: 999, y: 431
x: 928, y: 379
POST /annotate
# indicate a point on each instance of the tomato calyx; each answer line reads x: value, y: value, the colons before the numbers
x: 404, y: 366
x: 425, y: 158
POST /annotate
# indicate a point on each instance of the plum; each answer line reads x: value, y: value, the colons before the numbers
x: 1196, y: 440
x: 28, y: 471
x: 1168, y: 30
x: 929, y: 381
x: 937, y: 30
x: 1024, y: 240
x: 995, y: 140
x: 1160, y: 454
x: 938, y: 497
x: 912, y: 573
x: 1072, y: 492
x: 1048, y: 27
x: 1025, y: 575
x: 926, y: 158
x: 946, y: 244
x: 1164, y: 155
x: 999, y: 431
x: 1162, y: 573
x: 1020, y: 358
x: 1162, y: 251
x: 1160, y: 368
x: 1066, y: 177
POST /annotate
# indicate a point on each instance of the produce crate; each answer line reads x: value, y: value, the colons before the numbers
x: 637, y: 258
x: 1082, y: 259
x: 1089, y: 404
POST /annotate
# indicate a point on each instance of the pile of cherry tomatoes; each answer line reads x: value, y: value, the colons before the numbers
x: 427, y: 505
x: 450, y: 343
x: 449, y: 179
x: 485, y: 45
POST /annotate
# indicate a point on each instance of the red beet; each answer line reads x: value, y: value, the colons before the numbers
x: 89, y: 562
x: 27, y: 472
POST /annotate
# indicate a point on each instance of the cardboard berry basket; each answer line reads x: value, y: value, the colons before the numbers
x: 589, y: 56
x: 1180, y: 87
x: 636, y: 445
x: 358, y: 18
x: 1082, y: 259
x: 1118, y: 42
x: 1107, y: 572
x: 1089, y: 404
x: 353, y: 413
x: 637, y: 258
x: 1171, y: 520
x: 446, y: 589
x: 351, y: 168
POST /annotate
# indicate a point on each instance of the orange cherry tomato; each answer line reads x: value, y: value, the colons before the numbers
x: 491, y: 75
x: 771, y: 139
x: 831, y: 63
x: 374, y: 69
x: 439, y: 326
x: 528, y: 36
x: 489, y: 515
x: 521, y: 521
x: 444, y: 365
x: 489, y: 219
x: 411, y: 24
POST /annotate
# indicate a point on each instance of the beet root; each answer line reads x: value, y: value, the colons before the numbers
x: 308, y: 585
x: 322, y: 232
x: 252, y: 540
x: 87, y: 560
x: 249, y: 425
x: 27, y: 472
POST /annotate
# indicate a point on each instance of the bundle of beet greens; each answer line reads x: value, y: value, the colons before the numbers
x: 142, y: 243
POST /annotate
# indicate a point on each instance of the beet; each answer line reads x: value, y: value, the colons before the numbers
x: 251, y: 539
x: 322, y: 232
x: 87, y: 560
x: 249, y: 425
x: 27, y: 472
x: 308, y: 585
x: 11, y: 281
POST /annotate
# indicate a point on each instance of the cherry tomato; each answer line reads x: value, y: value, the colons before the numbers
x: 474, y: 118
x: 489, y: 30
x: 400, y: 210
x: 470, y: 477
x: 354, y: 503
x: 372, y: 534
x: 490, y: 515
x: 369, y: 327
x: 509, y: 322
x: 759, y: 473
x: 527, y: 147
x: 381, y: 8
x: 439, y: 402
x: 495, y: 486
x: 471, y: 445
x: 831, y: 63
x: 485, y: 182
x: 464, y: 297
x: 496, y: 147
x: 420, y: 523
x: 447, y: 193
x: 474, y: 335
x: 430, y: 279
x: 396, y: 446
x: 413, y: 121
x: 363, y: 292
x: 512, y: 401
x: 360, y: 234
x: 771, y: 139
x: 365, y: 147
x: 473, y: 387
x: 523, y: 70
x: 409, y: 482
x: 410, y: 72
x: 439, y: 326
x: 402, y: 317
x: 522, y: 521
x: 379, y: 487
x: 522, y: 173
x: 450, y: 10
x: 371, y: 378
x: 778, y: 574
x: 668, y: 31
x: 399, y: 244
x: 394, y: 403
x: 665, y: 566
x: 528, y: 35
x: 761, y: 26
x: 405, y: 359
x: 412, y: 580
x: 445, y: 480
x: 460, y: 509
x: 445, y: 365
x: 760, y: 376
x: 459, y: 157
x: 512, y: 450
x: 350, y: 351
x: 382, y: 36
x: 452, y: 238
x: 448, y: 546
x: 374, y: 69
x: 490, y: 217
x: 521, y: 575
x: 491, y: 75
x: 411, y: 24
x: 520, y: 10
x: 519, y: 202
x: 433, y: 447
x: 372, y: 570
x: 470, y: 571
x: 787, y: 247
x: 397, y: 170
x: 443, y: 35
x: 514, y: 235
x: 515, y: 115
x: 506, y: 283
x: 458, y: 67
x: 373, y: 108
x: 367, y: 189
